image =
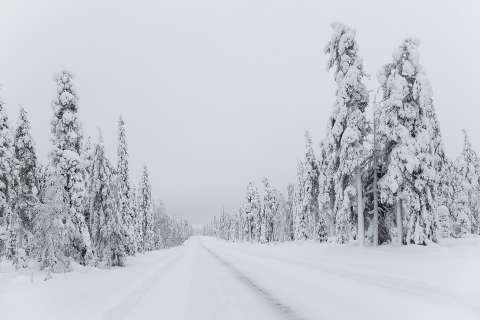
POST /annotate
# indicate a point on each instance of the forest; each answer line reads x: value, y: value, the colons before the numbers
x: 79, y: 205
x: 381, y: 174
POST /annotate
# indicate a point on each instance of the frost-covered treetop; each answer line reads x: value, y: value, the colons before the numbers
x: 66, y: 93
x: 266, y: 183
x: 408, y: 57
x: 468, y: 162
x: 467, y: 150
x: 23, y: 138
x: 252, y: 193
x: 342, y: 49
x: 406, y: 89
x: 65, y: 124
x: 406, y: 65
x: 23, y: 124
x: 24, y: 148
x: 122, y: 154
x: 310, y: 156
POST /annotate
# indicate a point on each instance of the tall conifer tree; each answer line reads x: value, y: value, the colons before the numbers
x: 66, y: 157
x: 348, y: 126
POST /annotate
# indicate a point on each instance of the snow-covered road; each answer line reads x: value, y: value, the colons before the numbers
x: 211, y: 279
x: 192, y: 284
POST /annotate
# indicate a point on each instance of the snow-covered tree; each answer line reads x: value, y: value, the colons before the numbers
x: 158, y: 219
x: 453, y: 198
x: 146, y: 211
x: 406, y: 132
x: 468, y: 165
x: 126, y: 211
x: 242, y: 225
x: 135, y: 200
x: 300, y: 220
x: 269, y: 212
x: 348, y: 126
x: 235, y: 228
x: 26, y: 184
x: 223, y: 226
x: 86, y: 155
x: 9, y: 219
x: 316, y: 226
x: 106, y: 225
x: 289, y: 209
x: 65, y: 156
x: 50, y: 226
x: 252, y: 213
x: 326, y: 197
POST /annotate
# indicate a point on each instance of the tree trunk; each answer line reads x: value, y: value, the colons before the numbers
x: 375, y: 191
x: 360, y: 229
x: 399, y: 221
x: 331, y: 221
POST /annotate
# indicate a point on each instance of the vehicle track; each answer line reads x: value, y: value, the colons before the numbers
x: 421, y: 289
x: 282, y: 309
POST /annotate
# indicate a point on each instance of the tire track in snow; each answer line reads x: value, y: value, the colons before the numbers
x: 403, y: 285
x: 132, y: 299
x: 286, y: 312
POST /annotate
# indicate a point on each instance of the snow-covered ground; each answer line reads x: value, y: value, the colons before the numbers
x: 211, y: 279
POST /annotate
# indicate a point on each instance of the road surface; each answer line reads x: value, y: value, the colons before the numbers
x: 211, y: 279
x: 208, y: 279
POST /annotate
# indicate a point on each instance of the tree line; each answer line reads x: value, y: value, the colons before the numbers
x: 79, y: 205
x: 379, y: 177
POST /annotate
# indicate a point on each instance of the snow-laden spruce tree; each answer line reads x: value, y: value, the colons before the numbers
x: 280, y: 219
x: 257, y: 220
x: 252, y: 213
x: 468, y: 164
x: 146, y: 211
x: 300, y: 220
x: 289, y: 209
x: 66, y: 158
x: 158, y: 219
x: 51, y: 226
x: 316, y: 227
x: 270, y: 211
x: 234, y: 228
x: 123, y: 174
x: 26, y: 185
x: 9, y: 220
x: 348, y: 126
x: 326, y: 196
x: 241, y: 224
x: 454, y: 209
x: 135, y: 200
x: 223, y: 225
x: 105, y: 223
x: 407, y: 135
x: 86, y: 155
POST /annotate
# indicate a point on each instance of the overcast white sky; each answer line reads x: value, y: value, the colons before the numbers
x: 216, y: 93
